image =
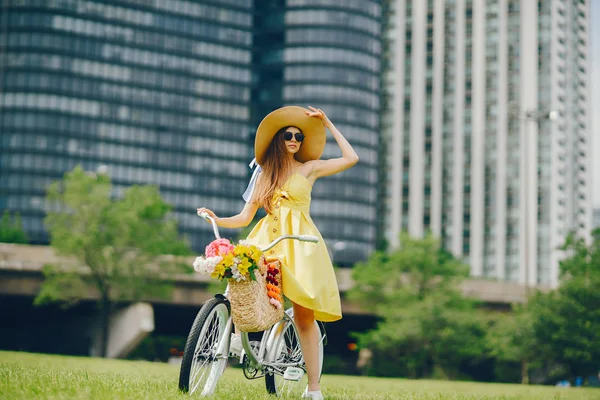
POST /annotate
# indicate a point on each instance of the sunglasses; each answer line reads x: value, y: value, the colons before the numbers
x: 289, y: 135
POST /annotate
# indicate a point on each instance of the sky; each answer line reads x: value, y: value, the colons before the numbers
x: 595, y: 99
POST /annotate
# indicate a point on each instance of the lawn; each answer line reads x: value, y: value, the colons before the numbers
x: 38, y: 376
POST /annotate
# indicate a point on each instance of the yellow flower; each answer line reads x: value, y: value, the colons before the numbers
x: 241, y: 250
x: 255, y: 254
x: 228, y: 260
x: 218, y: 272
x: 244, y: 265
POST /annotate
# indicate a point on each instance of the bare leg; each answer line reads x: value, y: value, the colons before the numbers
x: 309, y: 340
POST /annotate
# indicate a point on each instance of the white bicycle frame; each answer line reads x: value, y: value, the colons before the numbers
x: 223, y: 346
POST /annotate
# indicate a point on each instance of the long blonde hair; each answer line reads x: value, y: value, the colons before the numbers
x: 275, y: 168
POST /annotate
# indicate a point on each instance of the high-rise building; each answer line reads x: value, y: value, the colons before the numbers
x: 488, y: 128
x: 327, y: 53
x: 156, y: 92
x: 170, y: 92
x: 596, y: 218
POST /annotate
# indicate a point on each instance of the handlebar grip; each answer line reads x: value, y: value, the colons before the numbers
x: 308, y: 238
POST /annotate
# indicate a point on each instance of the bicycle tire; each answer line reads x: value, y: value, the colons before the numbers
x: 283, y: 337
x: 217, y: 307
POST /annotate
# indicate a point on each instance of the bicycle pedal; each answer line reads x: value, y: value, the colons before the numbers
x: 293, y: 374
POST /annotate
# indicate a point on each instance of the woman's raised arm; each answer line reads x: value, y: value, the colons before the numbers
x: 332, y: 166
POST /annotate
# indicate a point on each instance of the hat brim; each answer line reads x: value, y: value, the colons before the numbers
x: 312, y: 128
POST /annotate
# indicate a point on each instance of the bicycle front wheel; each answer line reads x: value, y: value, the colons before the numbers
x: 285, y: 352
x: 201, y: 366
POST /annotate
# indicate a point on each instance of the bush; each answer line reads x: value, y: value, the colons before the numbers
x: 11, y: 229
x: 158, y: 348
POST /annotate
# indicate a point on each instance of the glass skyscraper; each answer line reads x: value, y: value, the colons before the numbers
x: 488, y: 123
x: 327, y: 54
x: 170, y: 92
x: 157, y: 92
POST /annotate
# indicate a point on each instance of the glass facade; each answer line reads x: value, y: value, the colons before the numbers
x: 571, y: 96
x: 157, y: 92
x: 406, y: 156
x: 467, y: 130
x: 389, y: 31
x: 327, y: 54
x: 513, y: 144
x: 448, y: 159
x: 512, y: 180
x: 169, y: 93
x: 492, y: 70
x: 544, y: 145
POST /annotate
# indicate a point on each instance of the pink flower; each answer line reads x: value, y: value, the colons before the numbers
x: 275, y: 303
x: 219, y: 247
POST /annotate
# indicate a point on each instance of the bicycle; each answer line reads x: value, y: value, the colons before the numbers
x: 277, y: 356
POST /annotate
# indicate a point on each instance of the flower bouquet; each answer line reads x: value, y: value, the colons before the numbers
x: 224, y: 260
x: 254, y: 285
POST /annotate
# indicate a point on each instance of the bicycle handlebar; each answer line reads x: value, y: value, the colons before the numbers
x: 302, y: 238
x: 213, y: 222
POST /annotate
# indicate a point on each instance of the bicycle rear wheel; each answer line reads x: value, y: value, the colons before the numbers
x: 285, y: 352
x: 201, y: 366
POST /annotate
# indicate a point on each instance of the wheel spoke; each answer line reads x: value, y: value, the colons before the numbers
x: 289, y: 354
x: 206, y: 366
x: 285, y: 353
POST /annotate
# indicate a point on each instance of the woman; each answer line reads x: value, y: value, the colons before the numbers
x: 289, y: 142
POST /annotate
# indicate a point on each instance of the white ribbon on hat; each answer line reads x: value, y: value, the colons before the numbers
x: 247, y: 196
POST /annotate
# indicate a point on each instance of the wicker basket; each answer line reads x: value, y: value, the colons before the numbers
x: 251, y: 310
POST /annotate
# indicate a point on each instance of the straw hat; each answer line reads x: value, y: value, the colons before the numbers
x: 312, y: 128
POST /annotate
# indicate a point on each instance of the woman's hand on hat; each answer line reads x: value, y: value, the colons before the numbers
x: 318, y: 113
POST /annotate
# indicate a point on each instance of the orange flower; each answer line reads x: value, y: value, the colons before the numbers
x: 274, y: 295
x: 273, y: 288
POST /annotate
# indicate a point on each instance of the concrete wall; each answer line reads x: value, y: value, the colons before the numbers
x: 21, y: 265
x: 76, y: 330
x: 128, y: 327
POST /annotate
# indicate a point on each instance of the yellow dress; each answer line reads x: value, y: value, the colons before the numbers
x: 308, y: 278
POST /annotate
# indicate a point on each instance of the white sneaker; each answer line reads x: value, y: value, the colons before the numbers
x: 313, y: 395
x: 235, y: 346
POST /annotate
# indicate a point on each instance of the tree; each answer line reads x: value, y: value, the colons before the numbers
x: 118, y: 244
x: 11, y: 229
x: 567, y: 320
x: 511, y: 339
x: 427, y: 327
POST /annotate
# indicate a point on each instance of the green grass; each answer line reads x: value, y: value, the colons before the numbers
x: 38, y: 376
